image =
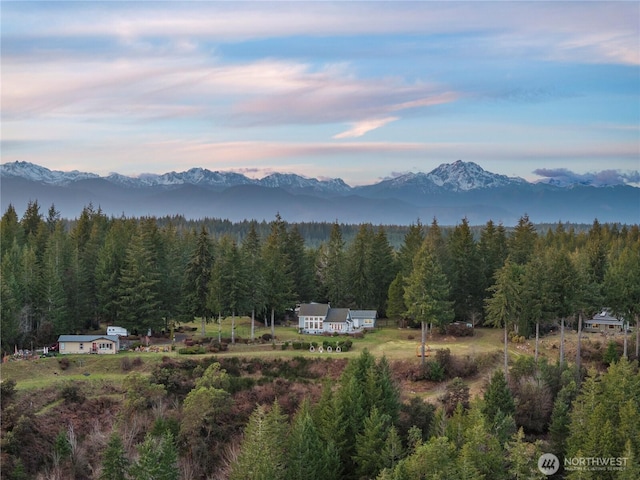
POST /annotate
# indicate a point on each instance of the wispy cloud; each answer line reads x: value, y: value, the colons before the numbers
x: 360, y: 128
x: 591, y: 32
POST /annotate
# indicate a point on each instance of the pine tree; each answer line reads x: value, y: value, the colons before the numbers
x: 522, y: 458
x: 138, y: 294
x: 114, y: 462
x: 158, y: 459
x: 302, y: 268
x: 413, y: 240
x: 427, y: 291
x: 482, y: 452
x: 492, y: 252
x: 522, y: 242
x: 396, y: 307
x: 504, y: 306
x: 622, y: 288
x: 359, y: 273
x: 229, y: 282
x: 464, y: 273
x: 279, y: 290
x: 307, y: 454
x: 253, y: 261
x: 370, y: 443
x: 382, y: 270
x: 497, y: 397
x: 332, y: 268
x: 260, y: 457
x: 197, y: 280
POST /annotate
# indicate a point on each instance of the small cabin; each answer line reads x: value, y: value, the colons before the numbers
x: 605, y: 322
x: 98, y: 344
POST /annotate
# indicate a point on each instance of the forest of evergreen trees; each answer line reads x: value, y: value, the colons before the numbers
x: 60, y: 276
x: 252, y: 419
x: 243, y: 418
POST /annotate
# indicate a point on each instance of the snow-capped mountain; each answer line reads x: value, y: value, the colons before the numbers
x: 296, y: 182
x: 458, y: 176
x: 193, y: 176
x: 37, y: 173
x: 463, y: 176
x: 449, y: 193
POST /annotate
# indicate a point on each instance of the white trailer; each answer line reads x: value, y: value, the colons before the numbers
x: 119, y: 331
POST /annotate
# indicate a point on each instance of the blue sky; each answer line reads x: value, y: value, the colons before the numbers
x: 357, y: 90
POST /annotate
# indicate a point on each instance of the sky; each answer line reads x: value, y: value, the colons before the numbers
x: 362, y: 91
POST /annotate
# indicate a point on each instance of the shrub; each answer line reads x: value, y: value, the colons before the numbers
x: 192, y: 350
x: 7, y: 390
x: 463, y: 367
x: 125, y: 364
x: 443, y: 357
x: 611, y: 354
x: 137, y: 362
x: 71, y: 393
x: 433, y: 371
x: 266, y: 337
x: 64, y: 363
x: 457, y: 392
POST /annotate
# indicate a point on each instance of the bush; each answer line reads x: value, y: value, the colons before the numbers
x: 125, y: 364
x: 459, y: 329
x: 433, y: 371
x: 195, y: 350
x: 457, y: 392
x: 463, y: 367
x: 611, y: 354
x: 443, y: 357
x: 137, y: 362
x: 7, y: 390
x: 71, y: 393
x: 64, y: 363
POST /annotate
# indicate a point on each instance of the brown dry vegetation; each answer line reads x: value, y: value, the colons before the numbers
x: 87, y: 399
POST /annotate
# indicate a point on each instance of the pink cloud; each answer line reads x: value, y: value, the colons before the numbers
x: 360, y: 128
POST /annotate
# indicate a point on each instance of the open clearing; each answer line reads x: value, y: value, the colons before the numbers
x: 396, y: 344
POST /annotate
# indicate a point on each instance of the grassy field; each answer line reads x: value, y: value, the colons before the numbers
x: 394, y: 343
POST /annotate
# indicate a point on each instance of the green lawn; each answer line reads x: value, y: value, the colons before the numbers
x: 394, y: 343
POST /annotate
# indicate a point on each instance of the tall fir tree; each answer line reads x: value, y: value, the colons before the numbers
x: 260, y: 457
x: 197, y: 278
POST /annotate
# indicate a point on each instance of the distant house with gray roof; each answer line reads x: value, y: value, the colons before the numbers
x: 100, y: 344
x: 322, y: 318
x: 605, y: 322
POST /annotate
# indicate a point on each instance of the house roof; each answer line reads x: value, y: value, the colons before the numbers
x: 338, y: 315
x: 605, y: 316
x: 364, y: 314
x: 313, y: 310
x: 86, y: 338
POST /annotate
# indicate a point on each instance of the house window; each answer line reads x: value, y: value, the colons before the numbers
x: 611, y: 327
x: 82, y: 346
x: 62, y: 346
x: 594, y: 325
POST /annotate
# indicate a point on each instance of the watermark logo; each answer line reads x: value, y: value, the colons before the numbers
x: 548, y: 463
x: 595, y: 464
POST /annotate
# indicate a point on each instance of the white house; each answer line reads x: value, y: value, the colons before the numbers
x: 322, y: 318
x: 101, y: 344
x: 605, y: 322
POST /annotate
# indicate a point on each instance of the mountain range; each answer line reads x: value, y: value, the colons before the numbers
x: 449, y: 193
